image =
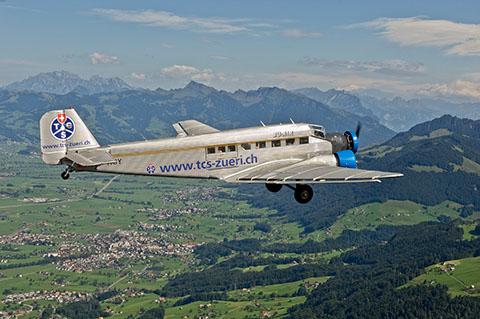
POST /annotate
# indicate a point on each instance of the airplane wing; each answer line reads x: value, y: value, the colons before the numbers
x: 305, y: 172
x: 192, y: 127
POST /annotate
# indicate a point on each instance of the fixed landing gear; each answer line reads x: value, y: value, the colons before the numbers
x: 66, y: 173
x: 303, y: 193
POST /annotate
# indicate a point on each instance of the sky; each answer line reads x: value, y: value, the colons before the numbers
x: 409, y: 48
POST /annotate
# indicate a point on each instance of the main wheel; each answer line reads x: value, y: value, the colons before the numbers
x: 65, y: 175
x: 303, y: 194
x: 274, y: 188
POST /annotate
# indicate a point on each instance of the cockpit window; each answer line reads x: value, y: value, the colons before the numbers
x: 318, y: 131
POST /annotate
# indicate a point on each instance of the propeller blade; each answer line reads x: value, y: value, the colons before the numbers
x: 359, y: 128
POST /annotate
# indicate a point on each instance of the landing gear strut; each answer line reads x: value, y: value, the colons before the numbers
x: 303, y: 193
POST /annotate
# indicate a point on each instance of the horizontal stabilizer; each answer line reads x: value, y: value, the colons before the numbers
x: 90, y: 158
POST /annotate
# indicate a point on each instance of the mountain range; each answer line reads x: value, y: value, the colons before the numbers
x: 338, y: 99
x: 148, y: 114
x: 396, y: 113
x: 400, y: 114
x: 62, y: 82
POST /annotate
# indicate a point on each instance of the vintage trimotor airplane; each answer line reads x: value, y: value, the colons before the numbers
x: 293, y: 155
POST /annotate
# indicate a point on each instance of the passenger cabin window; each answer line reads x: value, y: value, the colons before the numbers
x: 261, y: 144
x: 221, y: 149
x: 276, y: 143
x: 210, y: 150
x: 246, y: 146
x: 290, y: 141
x: 303, y: 140
x: 232, y: 148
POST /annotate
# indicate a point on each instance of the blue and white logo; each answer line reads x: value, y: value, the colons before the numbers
x: 62, y: 127
x: 151, y: 169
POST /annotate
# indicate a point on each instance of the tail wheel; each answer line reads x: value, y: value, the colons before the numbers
x: 274, y: 188
x: 65, y: 175
x: 303, y: 194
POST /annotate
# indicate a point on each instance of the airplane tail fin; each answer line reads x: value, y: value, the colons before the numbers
x: 62, y: 131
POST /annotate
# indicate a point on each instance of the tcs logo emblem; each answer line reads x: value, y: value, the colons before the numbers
x: 62, y: 127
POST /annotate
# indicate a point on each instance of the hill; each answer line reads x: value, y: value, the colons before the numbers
x: 145, y: 114
x: 440, y: 160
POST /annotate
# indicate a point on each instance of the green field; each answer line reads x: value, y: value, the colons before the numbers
x: 276, y: 307
x: 393, y: 212
x: 462, y: 276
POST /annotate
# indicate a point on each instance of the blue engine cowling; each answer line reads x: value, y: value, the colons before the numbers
x: 346, y: 158
x: 353, y: 139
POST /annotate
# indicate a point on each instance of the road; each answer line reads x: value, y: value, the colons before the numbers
x: 104, y: 187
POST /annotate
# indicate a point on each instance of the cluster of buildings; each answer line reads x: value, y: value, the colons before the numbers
x: 166, y: 213
x: 57, y: 296
x: 193, y: 193
x: 157, y: 228
x: 27, y: 238
x: 109, y: 250
x: 39, y: 200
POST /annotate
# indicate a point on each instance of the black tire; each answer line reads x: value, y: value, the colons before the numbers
x: 65, y: 175
x: 303, y: 194
x: 274, y: 188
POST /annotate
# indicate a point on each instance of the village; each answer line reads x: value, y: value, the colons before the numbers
x: 87, y: 252
x: 108, y: 250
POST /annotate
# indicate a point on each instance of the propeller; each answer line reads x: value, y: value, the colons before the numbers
x: 346, y: 141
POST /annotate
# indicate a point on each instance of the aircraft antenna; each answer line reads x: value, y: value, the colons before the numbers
x: 263, y: 124
x: 292, y: 121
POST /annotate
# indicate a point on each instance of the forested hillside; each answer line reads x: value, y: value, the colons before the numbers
x: 440, y: 160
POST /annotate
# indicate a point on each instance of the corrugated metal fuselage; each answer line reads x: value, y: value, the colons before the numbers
x: 217, y: 155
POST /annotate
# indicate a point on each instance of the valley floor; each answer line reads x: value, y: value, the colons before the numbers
x: 122, y: 240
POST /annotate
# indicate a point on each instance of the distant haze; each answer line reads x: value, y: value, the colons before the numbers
x: 420, y: 49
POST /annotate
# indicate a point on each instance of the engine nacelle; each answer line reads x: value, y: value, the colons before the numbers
x: 346, y: 158
x: 345, y: 141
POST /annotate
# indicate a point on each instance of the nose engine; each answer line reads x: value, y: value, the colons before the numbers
x: 344, y: 147
x: 345, y: 141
